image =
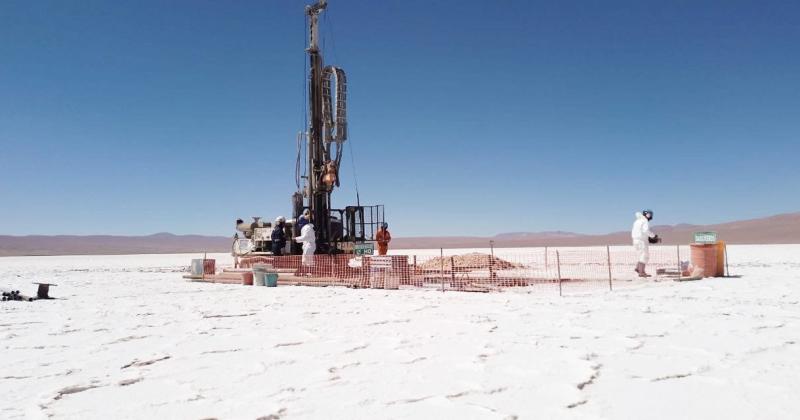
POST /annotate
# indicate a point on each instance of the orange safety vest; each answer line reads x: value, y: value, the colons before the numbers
x: 383, y: 237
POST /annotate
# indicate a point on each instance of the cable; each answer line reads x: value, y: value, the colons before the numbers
x: 297, y: 163
x: 355, y: 175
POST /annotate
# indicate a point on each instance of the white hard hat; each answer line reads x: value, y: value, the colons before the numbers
x: 280, y: 219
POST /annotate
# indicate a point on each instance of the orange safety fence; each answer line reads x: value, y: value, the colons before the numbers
x: 565, y: 269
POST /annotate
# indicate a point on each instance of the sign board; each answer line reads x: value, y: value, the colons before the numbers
x: 381, y: 274
x: 705, y: 237
x: 380, y: 262
x: 367, y: 248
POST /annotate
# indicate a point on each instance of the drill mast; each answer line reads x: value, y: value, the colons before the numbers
x: 337, y: 230
x: 324, y: 131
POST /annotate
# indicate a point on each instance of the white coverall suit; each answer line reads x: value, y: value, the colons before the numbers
x: 309, y: 240
x: 640, y: 235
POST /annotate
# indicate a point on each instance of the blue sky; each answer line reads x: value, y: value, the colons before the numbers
x: 466, y: 117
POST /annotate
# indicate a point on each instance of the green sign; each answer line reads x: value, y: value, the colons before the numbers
x: 364, y: 249
x: 705, y: 237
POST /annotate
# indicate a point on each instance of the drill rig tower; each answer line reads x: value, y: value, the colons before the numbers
x: 323, y: 133
x: 337, y: 230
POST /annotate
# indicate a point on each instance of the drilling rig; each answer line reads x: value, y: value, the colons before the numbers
x: 338, y: 230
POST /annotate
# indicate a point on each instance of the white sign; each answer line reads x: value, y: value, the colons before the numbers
x: 705, y: 237
x: 380, y: 262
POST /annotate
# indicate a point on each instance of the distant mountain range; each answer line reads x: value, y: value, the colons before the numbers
x: 538, y: 235
x: 780, y: 229
x: 159, y: 243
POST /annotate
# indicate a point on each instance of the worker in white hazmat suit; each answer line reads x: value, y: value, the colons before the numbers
x: 309, y: 240
x: 642, y: 236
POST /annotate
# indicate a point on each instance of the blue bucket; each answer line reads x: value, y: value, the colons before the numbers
x: 271, y: 280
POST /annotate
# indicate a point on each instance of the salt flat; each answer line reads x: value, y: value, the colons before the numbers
x: 132, y: 339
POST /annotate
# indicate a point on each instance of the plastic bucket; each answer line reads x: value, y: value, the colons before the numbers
x: 271, y: 280
x: 197, y: 267
x: 259, y: 277
x: 209, y: 266
x: 247, y: 279
x: 259, y: 274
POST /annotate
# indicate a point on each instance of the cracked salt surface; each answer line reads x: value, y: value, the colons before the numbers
x: 132, y: 339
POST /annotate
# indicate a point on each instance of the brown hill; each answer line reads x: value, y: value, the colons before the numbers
x: 160, y: 243
x: 780, y: 229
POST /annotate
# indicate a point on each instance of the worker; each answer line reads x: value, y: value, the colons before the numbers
x: 309, y: 240
x: 383, y: 237
x: 642, y: 236
x: 278, y: 236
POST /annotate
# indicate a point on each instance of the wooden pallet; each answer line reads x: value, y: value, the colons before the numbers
x: 224, y: 278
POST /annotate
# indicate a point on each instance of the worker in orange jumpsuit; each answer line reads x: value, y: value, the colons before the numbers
x: 383, y: 237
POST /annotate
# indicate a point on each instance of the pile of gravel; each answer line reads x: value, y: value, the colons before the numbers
x: 471, y: 261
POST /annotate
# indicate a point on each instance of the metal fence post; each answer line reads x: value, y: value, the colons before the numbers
x: 727, y: 270
x: 205, y: 255
x: 608, y: 255
x: 452, y: 272
x: 558, y: 263
x: 680, y: 267
x: 415, y: 273
x: 491, y: 260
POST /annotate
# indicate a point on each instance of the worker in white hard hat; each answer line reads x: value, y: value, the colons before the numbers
x: 309, y: 240
x: 278, y: 236
x: 642, y: 237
